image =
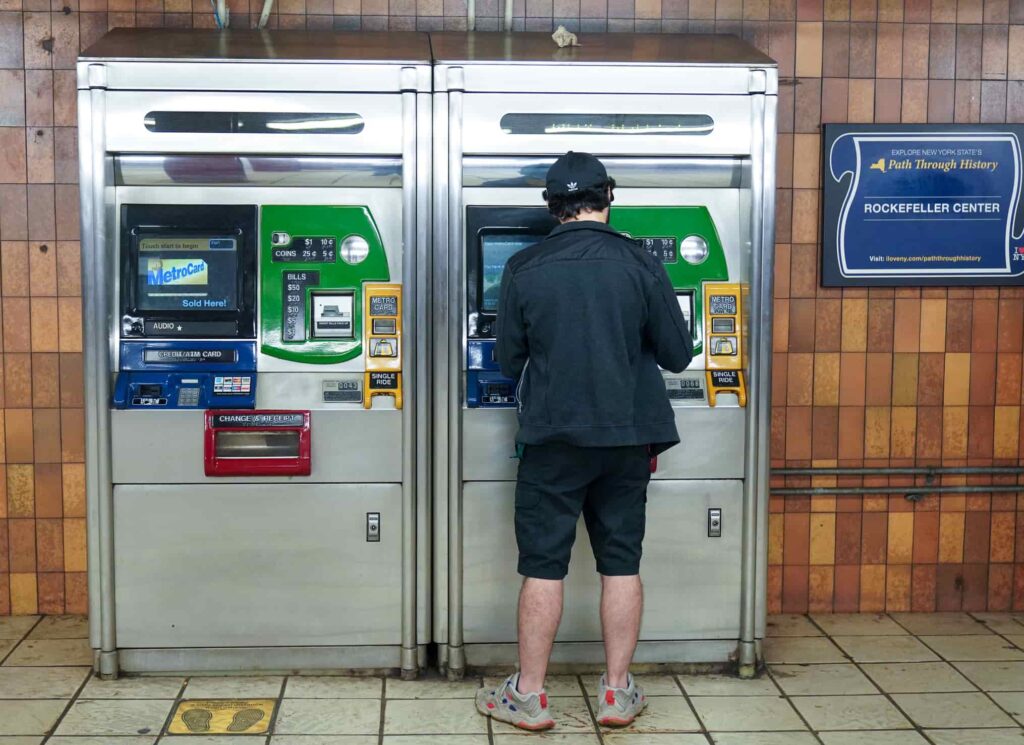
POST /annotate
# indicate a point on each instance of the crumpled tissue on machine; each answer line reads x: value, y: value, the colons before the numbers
x: 565, y: 38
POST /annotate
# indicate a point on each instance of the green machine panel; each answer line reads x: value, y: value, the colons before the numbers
x: 313, y: 263
x: 678, y: 224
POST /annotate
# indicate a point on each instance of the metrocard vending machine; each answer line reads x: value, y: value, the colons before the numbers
x: 251, y: 241
x: 686, y: 126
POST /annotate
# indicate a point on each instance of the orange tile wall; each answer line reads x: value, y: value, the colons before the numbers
x: 862, y: 377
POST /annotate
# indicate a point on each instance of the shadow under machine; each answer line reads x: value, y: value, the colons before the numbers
x: 251, y: 219
x: 686, y: 126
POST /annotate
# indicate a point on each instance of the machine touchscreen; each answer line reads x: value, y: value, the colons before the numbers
x: 192, y: 273
x: 496, y: 250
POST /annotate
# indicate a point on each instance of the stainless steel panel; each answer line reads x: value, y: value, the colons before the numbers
x: 691, y: 581
x: 730, y: 137
x: 710, y: 446
x: 280, y: 46
x: 622, y: 49
x: 284, y: 660
x: 254, y: 170
x: 126, y: 130
x: 166, y: 447
x: 512, y: 172
x: 573, y: 655
x: 252, y: 565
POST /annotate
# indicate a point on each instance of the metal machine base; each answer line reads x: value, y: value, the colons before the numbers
x: 383, y: 659
x: 584, y: 656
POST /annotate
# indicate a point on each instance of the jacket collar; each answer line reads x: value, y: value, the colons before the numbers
x: 565, y: 227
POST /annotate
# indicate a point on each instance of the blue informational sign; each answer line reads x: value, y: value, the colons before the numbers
x: 922, y: 205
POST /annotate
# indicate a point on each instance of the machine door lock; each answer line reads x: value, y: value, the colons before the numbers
x: 715, y: 522
x: 373, y: 527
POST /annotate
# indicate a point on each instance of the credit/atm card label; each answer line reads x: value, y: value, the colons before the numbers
x: 725, y: 378
x: 258, y: 421
x: 313, y: 250
x: 665, y: 250
x: 383, y: 381
x: 723, y: 305
x: 383, y: 305
x: 189, y: 355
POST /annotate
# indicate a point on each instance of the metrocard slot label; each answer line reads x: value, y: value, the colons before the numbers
x: 922, y: 204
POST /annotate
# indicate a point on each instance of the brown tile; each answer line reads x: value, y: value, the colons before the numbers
x: 14, y: 268
x: 777, y: 446
x: 994, y: 52
x: 1015, y: 60
x: 981, y: 428
x: 65, y: 98
x: 975, y: 587
x: 959, y: 325
x: 915, y: 101
x: 18, y: 380
x: 48, y: 497
x: 968, y: 101
x: 852, y: 373
x: 74, y: 544
x: 828, y: 325
x: 854, y: 325
x: 862, y: 100
x: 796, y: 548
x: 805, y: 211
x: 835, y: 100
x: 808, y: 49
x: 915, y: 51
x: 73, y: 489
x: 795, y: 589
x: 929, y: 432
x: 800, y: 388
x: 949, y: 582
x: 783, y: 178
x: 782, y: 10
x: 69, y: 268
x: 46, y: 435
x: 782, y: 46
x: 889, y: 51
x: 826, y: 379
x: 69, y: 312
x: 1011, y: 325
x: 76, y: 593
x: 863, y: 43
x: 1002, y: 537
x: 878, y: 384
x: 39, y: 155
x: 1000, y: 587
x: 888, y: 94
x: 12, y: 98
x: 982, y: 374
x: 951, y: 537
x: 825, y: 432
x: 984, y: 325
x: 803, y: 270
x: 956, y: 391
x: 837, y: 10
x: 22, y: 537
x: 72, y: 435
x: 42, y: 269
x: 863, y: 10
x: 50, y: 545
x: 801, y: 325
x: 904, y: 432
x: 941, y: 101
x: 67, y: 217
x: 847, y: 589
x: 904, y: 375
x: 41, y: 212
x: 44, y: 324
x: 783, y: 211
x: 13, y: 164
x: 997, y: 11
x: 1007, y: 432
x: 969, y: 11
x: 20, y: 491
x: 872, y: 588
x: 954, y: 432
x: 51, y: 593
x: 977, y: 527
x: 835, y: 50
x: 13, y: 212
x: 848, y: 538
x: 880, y: 323
x: 890, y: 11
x: 797, y: 433
x: 922, y: 591
x: 926, y: 537
x: 851, y: 432
x: 873, y: 538
x: 71, y: 381
x: 821, y: 587
x: 942, y: 51
x: 897, y: 588
x: 993, y: 101
x: 968, y: 51
x: 45, y: 380
x: 18, y: 424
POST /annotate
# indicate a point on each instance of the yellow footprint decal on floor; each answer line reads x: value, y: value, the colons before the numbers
x: 244, y: 719
x: 197, y: 720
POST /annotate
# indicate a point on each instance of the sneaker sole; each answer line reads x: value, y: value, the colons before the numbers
x: 538, y: 727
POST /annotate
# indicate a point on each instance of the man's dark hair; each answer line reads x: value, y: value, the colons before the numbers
x: 567, y: 206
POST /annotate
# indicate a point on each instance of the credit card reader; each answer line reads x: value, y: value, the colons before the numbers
x: 187, y: 291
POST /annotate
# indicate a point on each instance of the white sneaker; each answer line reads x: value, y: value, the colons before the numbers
x: 527, y: 711
x: 618, y: 707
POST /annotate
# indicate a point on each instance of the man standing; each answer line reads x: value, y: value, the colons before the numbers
x: 585, y: 318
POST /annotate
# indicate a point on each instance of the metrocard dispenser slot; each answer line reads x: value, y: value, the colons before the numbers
x: 257, y: 443
x: 726, y: 381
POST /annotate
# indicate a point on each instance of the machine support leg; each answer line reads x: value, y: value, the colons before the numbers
x: 109, y: 666
x: 748, y: 660
x: 456, y: 663
x: 410, y: 663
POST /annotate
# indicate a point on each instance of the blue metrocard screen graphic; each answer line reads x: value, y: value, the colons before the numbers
x: 922, y: 205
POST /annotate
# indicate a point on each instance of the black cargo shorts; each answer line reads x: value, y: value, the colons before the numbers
x: 607, y: 484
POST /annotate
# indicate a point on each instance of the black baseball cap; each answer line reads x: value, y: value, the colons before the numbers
x: 575, y: 172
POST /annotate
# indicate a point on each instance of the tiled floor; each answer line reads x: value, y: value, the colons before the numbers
x: 945, y: 679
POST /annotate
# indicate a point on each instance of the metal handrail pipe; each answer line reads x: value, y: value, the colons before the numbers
x: 902, y: 471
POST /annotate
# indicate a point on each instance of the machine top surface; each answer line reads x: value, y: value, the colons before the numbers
x: 286, y: 45
x: 618, y: 49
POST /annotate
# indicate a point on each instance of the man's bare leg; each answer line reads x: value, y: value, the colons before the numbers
x: 540, y: 612
x: 622, y: 604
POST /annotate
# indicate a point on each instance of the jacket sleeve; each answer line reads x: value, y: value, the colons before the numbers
x: 667, y: 330
x: 511, y: 348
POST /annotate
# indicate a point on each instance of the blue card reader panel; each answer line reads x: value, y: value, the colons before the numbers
x: 186, y: 375
x: 486, y: 387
